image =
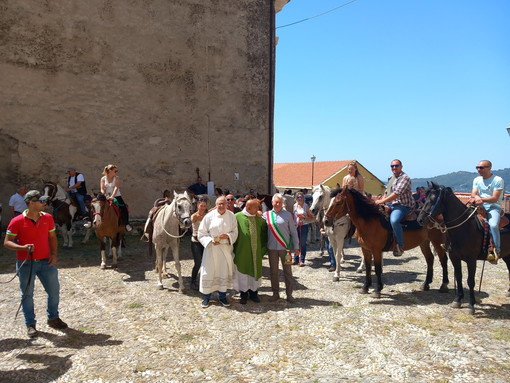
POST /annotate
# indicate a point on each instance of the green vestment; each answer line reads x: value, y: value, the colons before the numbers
x: 251, y: 245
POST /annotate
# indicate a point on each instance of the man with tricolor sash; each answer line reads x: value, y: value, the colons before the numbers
x: 282, y: 239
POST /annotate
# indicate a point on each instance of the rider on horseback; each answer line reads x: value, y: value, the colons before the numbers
x: 488, y: 191
x: 77, y: 190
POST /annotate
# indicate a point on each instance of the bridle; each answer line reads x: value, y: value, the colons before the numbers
x: 180, y: 218
x: 443, y: 227
x: 342, y: 199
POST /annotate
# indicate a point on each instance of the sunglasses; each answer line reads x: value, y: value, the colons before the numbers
x: 299, y: 197
x: 481, y: 167
x: 230, y: 199
x: 202, y: 200
x: 39, y: 200
x: 394, y: 166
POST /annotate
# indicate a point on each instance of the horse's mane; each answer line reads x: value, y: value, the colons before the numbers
x: 365, y: 207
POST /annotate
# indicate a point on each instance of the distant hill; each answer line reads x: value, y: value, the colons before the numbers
x: 461, y: 181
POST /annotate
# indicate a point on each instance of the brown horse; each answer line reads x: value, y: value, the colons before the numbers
x: 373, y: 236
x: 107, y: 224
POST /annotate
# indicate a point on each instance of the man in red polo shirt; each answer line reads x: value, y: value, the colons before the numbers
x: 32, y: 235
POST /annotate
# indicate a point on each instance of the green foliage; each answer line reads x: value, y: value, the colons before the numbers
x: 460, y: 181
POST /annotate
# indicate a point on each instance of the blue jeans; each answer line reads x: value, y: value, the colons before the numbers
x: 48, y: 275
x: 303, y: 236
x: 398, y: 212
x: 81, y: 202
x: 493, y: 216
x: 331, y: 253
x: 221, y: 295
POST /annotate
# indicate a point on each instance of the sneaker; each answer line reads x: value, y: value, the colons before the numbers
x: 244, y: 298
x: 57, y: 323
x: 129, y: 227
x: 302, y: 264
x: 31, y: 331
x: 295, y: 263
x: 87, y: 225
x: 398, y: 251
x: 224, y: 302
x: 205, y: 303
x: 332, y: 268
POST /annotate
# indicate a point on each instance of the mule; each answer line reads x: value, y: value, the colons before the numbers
x: 166, y: 235
x: 337, y: 232
x: 63, y: 212
x: 465, y: 237
x: 107, y: 224
x: 373, y: 236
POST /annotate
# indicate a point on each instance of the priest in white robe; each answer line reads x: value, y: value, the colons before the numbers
x: 217, y: 233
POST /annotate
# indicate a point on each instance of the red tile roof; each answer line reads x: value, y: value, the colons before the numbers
x: 299, y: 174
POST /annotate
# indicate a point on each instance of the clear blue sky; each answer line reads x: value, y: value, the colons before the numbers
x: 425, y: 81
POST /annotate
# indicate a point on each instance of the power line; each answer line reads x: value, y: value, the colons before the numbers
x: 313, y: 17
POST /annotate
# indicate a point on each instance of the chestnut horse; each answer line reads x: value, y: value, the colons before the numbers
x: 373, y: 236
x: 107, y: 224
x: 465, y: 236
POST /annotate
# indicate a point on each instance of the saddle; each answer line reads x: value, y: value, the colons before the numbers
x: 409, y: 223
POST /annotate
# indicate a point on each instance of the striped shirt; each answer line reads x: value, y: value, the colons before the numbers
x: 402, y: 188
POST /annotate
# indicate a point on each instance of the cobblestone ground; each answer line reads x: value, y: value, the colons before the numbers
x: 122, y: 329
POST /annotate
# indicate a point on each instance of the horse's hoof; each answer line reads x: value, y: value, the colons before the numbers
x: 376, y: 294
x: 336, y: 279
x: 359, y: 271
x: 114, y: 266
x: 160, y: 287
x: 456, y: 305
x: 363, y: 291
x: 103, y: 267
x: 470, y: 310
x: 444, y: 289
x: 425, y: 287
x: 182, y: 291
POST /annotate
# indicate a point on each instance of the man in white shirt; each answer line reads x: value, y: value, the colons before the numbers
x: 17, y: 203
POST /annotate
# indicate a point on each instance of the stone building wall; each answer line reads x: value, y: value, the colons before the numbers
x: 159, y: 88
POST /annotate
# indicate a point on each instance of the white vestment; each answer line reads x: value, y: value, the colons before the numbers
x: 217, y: 267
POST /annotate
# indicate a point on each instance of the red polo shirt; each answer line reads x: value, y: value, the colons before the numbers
x: 28, y: 231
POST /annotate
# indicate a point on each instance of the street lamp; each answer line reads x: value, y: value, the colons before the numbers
x: 313, y: 161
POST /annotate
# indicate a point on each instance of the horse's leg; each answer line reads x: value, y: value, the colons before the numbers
x: 159, y: 265
x: 70, y: 232
x: 429, y: 258
x: 163, y: 266
x: 338, y: 244
x: 177, y: 261
x: 367, y: 255
x: 63, y: 232
x: 361, y: 266
x: 378, y: 273
x: 103, y: 252
x: 457, y: 269
x: 119, y: 244
x: 471, y: 266
x: 507, y: 261
x: 87, y: 236
x: 443, y: 259
x: 114, y: 247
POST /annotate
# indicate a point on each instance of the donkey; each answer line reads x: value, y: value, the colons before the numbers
x: 166, y: 223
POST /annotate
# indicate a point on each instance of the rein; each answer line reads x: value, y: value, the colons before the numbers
x: 174, y: 212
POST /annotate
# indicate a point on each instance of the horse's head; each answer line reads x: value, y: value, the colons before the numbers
x: 49, y: 191
x: 338, y: 206
x: 97, y: 207
x: 320, y: 198
x: 183, y: 204
x: 433, y: 204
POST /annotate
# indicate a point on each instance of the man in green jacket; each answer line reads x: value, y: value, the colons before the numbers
x: 249, y: 248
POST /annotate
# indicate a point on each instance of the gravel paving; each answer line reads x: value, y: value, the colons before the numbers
x: 122, y: 329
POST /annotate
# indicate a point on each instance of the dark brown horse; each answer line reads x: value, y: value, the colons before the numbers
x: 107, y: 224
x: 374, y: 236
x: 465, y: 237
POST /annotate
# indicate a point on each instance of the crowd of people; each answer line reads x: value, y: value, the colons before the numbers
x: 228, y: 241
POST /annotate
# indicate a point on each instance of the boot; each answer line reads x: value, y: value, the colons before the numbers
x: 244, y: 297
x: 254, y: 296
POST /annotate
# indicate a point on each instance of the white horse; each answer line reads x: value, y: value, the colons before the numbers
x: 336, y: 233
x: 168, y: 220
x: 63, y: 212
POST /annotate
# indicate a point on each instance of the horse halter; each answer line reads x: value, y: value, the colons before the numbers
x: 443, y: 227
x: 53, y: 187
x: 343, y: 200
x: 183, y: 217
